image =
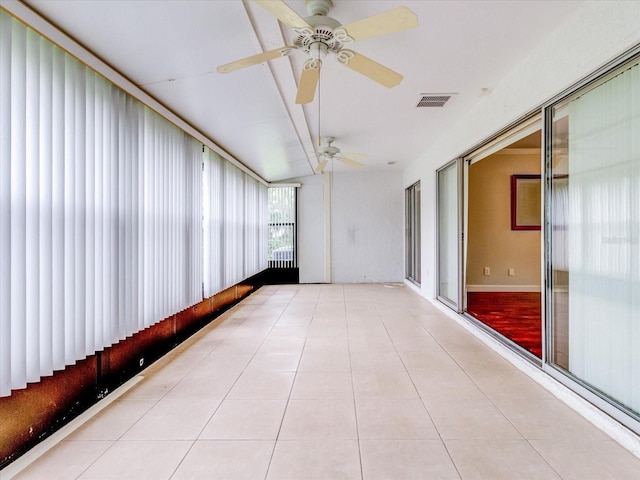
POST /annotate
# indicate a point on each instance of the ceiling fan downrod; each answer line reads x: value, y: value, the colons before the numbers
x: 319, y: 7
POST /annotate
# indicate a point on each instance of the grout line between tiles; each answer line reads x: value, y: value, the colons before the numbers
x: 435, y: 426
x: 293, y: 382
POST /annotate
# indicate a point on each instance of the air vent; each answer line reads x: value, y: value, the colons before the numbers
x: 433, y: 100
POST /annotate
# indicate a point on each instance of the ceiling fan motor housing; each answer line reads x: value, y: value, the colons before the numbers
x: 327, y: 148
x: 324, y: 36
x: 330, y: 150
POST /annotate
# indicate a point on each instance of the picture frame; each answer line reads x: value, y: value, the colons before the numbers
x: 526, y: 191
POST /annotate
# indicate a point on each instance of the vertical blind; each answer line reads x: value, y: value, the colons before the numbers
x: 101, y: 213
x: 213, y: 213
x: 234, y: 224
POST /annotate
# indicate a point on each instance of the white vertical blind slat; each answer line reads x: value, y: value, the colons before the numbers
x: 120, y: 218
x: 5, y: 202
x: 32, y: 246
x: 206, y: 227
x: 17, y: 174
x: 138, y: 212
x: 69, y: 214
x: 45, y: 202
x: 97, y: 316
x: 90, y: 209
x: 79, y: 201
x: 57, y: 210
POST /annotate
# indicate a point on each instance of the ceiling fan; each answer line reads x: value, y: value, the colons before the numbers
x: 317, y: 35
x: 327, y: 152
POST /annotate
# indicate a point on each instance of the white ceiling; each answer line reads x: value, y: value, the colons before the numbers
x: 171, y: 48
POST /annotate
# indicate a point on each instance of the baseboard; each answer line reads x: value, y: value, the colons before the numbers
x: 503, y: 288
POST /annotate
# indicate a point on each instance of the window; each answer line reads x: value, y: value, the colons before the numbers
x: 282, y: 227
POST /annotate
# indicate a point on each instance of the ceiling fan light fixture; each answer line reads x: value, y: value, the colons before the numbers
x: 318, y: 50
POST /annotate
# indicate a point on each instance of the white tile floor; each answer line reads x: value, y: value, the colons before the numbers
x: 334, y: 382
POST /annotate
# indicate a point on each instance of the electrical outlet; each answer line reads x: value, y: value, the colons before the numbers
x: 512, y: 272
x: 487, y: 271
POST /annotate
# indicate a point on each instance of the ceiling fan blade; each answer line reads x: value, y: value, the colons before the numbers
x: 354, y: 154
x: 321, y: 165
x: 255, y: 59
x: 369, y: 68
x: 283, y: 12
x: 308, y: 81
x: 394, y: 20
x: 351, y: 163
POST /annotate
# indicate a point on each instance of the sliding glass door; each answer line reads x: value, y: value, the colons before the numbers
x: 593, y: 255
x: 449, y: 234
x: 412, y: 222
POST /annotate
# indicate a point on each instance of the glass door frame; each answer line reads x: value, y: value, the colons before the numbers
x: 600, y: 400
x: 413, y: 233
x: 458, y: 303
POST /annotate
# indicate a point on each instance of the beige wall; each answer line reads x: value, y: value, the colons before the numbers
x: 491, y: 242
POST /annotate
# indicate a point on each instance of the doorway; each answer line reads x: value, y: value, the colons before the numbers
x: 503, y: 248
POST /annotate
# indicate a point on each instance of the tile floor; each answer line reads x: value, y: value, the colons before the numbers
x: 334, y: 382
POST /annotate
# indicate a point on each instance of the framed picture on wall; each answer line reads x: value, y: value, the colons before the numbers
x: 526, y: 193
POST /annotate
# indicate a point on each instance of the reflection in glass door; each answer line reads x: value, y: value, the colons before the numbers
x: 449, y: 234
x: 593, y: 255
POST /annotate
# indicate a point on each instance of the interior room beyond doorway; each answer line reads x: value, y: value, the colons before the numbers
x: 503, y: 250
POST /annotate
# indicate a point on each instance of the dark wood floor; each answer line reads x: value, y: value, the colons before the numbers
x: 516, y: 315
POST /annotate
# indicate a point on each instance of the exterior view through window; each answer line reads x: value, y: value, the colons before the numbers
x: 282, y: 227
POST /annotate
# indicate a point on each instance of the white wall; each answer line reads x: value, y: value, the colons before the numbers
x: 367, y: 225
x: 366, y: 212
x: 311, y: 229
x: 596, y: 34
x: 490, y: 240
